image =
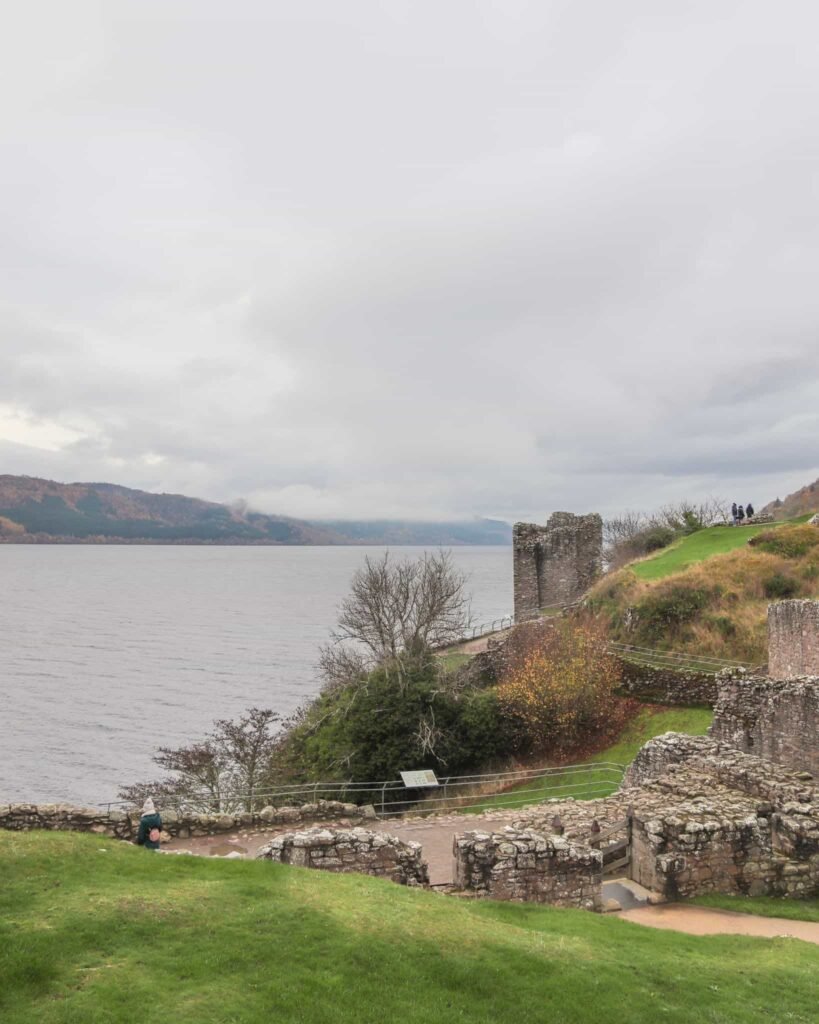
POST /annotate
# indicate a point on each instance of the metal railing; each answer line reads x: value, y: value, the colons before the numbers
x: 485, y: 628
x: 672, y: 659
x: 391, y: 798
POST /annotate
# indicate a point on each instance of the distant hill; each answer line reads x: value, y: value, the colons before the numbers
x: 39, y: 511
x: 407, y: 531
x: 806, y: 499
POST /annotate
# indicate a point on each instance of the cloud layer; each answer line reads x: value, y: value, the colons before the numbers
x: 375, y: 259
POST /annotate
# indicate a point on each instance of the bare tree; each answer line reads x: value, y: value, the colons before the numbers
x: 634, y: 534
x: 399, y: 608
x: 223, y: 772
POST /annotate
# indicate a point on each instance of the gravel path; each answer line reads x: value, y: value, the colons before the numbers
x: 704, y: 921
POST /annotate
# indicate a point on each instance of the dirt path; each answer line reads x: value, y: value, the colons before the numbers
x: 434, y: 835
x: 476, y: 646
x: 705, y: 921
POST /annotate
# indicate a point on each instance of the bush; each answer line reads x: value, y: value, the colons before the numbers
x: 378, y: 727
x: 725, y: 627
x: 780, y: 586
x: 562, y: 690
x: 660, y: 614
x: 656, y: 538
x: 787, y: 542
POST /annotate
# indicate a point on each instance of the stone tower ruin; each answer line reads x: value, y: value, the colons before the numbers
x: 793, y: 639
x: 556, y: 563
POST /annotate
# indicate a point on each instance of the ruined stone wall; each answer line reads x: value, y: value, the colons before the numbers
x: 656, y: 756
x: 556, y: 563
x: 347, y: 851
x: 526, y: 866
x: 121, y: 825
x: 793, y: 639
x: 775, y: 719
x: 668, y: 685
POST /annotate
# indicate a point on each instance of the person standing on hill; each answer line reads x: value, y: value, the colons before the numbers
x: 150, y: 826
x: 734, y: 514
x: 749, y: 510
x: 740, y: 514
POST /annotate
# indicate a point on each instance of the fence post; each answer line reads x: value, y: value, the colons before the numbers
x: 383, y: 790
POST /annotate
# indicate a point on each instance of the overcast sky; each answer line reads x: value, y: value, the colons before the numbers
x: 412, y: 258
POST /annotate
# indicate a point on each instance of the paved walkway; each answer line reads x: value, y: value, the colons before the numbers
x: 705, y: 921
x: 435, y: 836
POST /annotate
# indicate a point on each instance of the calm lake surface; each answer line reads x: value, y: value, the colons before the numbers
x: 109, y: 652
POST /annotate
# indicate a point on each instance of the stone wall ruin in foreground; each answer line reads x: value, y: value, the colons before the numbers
x: 357, y: 851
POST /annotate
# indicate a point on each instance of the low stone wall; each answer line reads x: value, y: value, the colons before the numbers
x: 526, y: 866
x: 668, y: 685
x: 356, y: 851
x: 771, y: 718
x: 122, y: 825
x: 654, y: 758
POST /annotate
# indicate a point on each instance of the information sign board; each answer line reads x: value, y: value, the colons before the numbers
x: 419, y: 780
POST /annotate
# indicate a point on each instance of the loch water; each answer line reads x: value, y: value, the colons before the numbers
x: 108, y: 652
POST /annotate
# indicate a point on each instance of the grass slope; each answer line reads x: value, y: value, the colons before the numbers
x: 716, y: 540
x: 716, y: 606
x: 649, y: 722
x: 765, y: 906
x: 125, y: 935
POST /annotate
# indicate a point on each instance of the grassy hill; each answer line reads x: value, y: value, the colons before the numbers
x: 649, y: 722
x: 709, y: 593
x: 697, y: 547
x: 98, y: 931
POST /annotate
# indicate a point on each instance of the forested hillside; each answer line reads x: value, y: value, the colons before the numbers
x: 33, y: 510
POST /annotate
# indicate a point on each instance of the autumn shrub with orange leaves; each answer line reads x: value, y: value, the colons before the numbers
x: 559, y: 690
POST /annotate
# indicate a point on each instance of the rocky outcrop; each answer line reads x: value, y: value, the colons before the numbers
x: 350, y: 851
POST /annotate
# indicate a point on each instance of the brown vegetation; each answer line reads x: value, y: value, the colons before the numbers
x: 559, y: 687
x: 717, y: 607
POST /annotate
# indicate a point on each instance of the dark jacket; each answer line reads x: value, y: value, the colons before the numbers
x: 146, y: 823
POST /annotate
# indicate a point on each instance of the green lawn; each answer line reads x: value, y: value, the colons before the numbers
x: 648, y: 723
x: 716, y: 540
x: 453, y: 661
x: 100, y: 932
x: 766, y: 906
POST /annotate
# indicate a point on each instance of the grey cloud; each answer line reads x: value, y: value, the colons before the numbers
x: 364, y: 260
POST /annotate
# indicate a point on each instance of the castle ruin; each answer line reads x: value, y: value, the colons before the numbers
x: 556, y: 563
x: 793, y: 639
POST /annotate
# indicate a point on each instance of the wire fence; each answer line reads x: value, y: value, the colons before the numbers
x: 392, y: 798
x: 673, y: 659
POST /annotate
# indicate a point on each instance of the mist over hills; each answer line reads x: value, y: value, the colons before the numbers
x: 38, y: 511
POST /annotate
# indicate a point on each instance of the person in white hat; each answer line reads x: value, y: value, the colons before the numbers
x: 150, y: 826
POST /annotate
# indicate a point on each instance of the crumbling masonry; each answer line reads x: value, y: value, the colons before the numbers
x: 556, y: 563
